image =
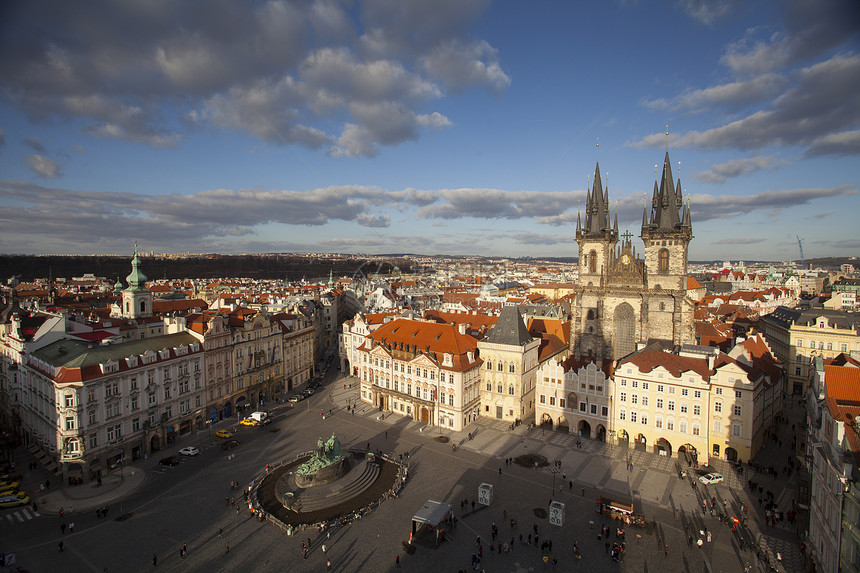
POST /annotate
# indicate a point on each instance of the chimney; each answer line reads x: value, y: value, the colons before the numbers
x: 462, y: 327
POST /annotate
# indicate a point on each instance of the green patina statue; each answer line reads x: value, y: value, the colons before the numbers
x: 327, y: 453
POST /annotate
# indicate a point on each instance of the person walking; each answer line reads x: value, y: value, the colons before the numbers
x: 397, y: 561
x: 227, y: 548
x: 71, y: 527
x: 63, y: 528
x: 328, y: 564
x: 323, y: 548
x: 154, y: 560
x: 61, y: 546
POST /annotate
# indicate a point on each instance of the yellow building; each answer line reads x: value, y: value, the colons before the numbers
x: 698, y: 402
x: 797, y: 336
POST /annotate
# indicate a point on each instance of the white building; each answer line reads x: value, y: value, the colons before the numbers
x: 423, y: 370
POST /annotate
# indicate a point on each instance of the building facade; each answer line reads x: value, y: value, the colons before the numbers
x: 797, y: 336
x: 620, y: 299
x: 428, y: 372
x: 511, y: 359
x: 93, y: 407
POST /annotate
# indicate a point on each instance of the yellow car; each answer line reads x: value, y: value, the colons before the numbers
x: 13, y: 499
x: 223, y: 434
x: 249, y: 422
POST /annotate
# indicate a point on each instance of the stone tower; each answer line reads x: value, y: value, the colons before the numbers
x: 620, y: 299
x: 136, y: 299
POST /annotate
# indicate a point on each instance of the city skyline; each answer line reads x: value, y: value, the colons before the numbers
x: 425, y: 127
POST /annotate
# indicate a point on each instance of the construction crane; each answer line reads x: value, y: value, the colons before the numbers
x: 800, y: 246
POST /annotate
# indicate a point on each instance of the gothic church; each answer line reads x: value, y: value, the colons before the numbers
x: 622, y: 300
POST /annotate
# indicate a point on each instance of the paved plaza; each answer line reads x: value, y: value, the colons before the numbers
x: 163, y: 508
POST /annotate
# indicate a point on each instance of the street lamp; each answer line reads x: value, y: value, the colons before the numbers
x: 554, y: 469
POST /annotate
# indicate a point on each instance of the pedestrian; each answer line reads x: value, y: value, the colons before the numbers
x: 309, y: 541
x: 397, y: 561
x: 185, y: 549
x: 500, y: 471
x: 220, y: 532
x: 61, y: 546
x: 154, y: 560
x: 583, y: 492
x: 63, y: 528
x: 72, y: 527
x: 323, y: 548
x: 473, y: 505
x: 227, y: 547
x: 328, y: 564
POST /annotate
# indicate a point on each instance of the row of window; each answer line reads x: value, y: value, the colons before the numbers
x: 407, y: 369
x: 843, y: 347
x: 695, y: 428
x: 501, y: 367
x: 670, y: 405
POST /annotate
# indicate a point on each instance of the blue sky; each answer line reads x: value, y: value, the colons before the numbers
x: 432, y: 127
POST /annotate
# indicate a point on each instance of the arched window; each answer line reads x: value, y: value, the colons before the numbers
x: 143, y: 306
x: 625, y: 330
x: 500, y: 367
x: 592, y: 262
x: 489, y: 365
x: 511, y: 368
x: 511, y: 389
x: 590, y: 315
x: 499, y: 388
x: 664, y: 261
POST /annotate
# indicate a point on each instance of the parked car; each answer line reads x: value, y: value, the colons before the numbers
x: 189, y: 451
x: 14, y: 499
x: 169, y: 461
x: 223, y: 434
x: 7, y: 486
x: 296, y: 398
x: 308, y: 391
x: 229, y: 444
x: 710, y: 479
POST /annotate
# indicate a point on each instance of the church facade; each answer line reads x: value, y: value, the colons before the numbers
x: 622, y: 297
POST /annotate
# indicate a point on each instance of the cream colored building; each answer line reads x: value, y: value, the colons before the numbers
x: 575, y: 394
x: 426, y: 371
x: 698, y: 401
x: 798, y: 336
x: 511, y: 359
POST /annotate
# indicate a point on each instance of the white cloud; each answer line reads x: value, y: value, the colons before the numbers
x: 43, y: 166
x: 734, y: 168
x: 462, y: 64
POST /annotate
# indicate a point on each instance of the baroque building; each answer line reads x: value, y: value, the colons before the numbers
x: 622, y: 300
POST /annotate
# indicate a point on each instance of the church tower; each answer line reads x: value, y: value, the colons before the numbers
x: 136, y: 299
x: 598, y: 237
x: 596, y: 240
x: 667, y: 234
x: 622, y: 301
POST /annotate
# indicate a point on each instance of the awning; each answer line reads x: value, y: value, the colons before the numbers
x: 33, y: 448
x: 51, y: 466
x: 433, y: 512
x: 75, y: 472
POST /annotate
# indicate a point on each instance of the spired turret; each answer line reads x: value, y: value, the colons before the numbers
x: 667, y: 233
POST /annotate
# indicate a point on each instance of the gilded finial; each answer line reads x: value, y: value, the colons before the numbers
x: 667, y: 138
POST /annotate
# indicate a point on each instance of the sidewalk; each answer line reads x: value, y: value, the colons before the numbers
x: 89, y: 496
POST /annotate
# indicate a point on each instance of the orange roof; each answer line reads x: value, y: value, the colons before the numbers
x: 430, y: 338
x: 692, y: 283
x: 843, y: 383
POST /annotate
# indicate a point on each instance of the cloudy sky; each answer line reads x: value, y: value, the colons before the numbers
x: 427, y: 126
